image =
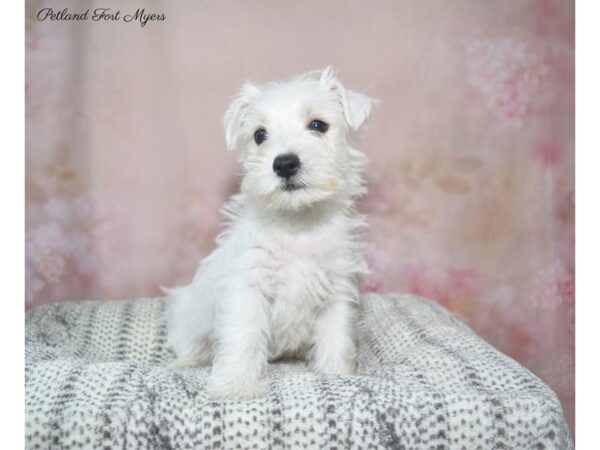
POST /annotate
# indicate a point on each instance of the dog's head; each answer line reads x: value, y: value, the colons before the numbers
x: 293, y: 139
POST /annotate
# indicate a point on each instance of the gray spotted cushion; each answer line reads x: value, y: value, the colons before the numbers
x: 97, y: 377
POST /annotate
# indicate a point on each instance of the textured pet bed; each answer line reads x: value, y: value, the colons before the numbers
x: 96, y: 377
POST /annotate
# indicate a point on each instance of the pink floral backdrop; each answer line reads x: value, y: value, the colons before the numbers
x: 471, y: 197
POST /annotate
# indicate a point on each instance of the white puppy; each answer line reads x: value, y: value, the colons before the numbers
x: 282, y: 281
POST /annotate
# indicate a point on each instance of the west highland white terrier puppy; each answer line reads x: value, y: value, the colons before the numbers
x: 282, y: 280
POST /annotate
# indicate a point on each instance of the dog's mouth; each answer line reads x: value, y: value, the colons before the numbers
x: 291, y: 185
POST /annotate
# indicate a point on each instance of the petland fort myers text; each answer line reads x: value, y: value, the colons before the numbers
x: 140, y: 16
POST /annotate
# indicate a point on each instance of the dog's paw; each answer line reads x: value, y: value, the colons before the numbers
x: 242, y: 388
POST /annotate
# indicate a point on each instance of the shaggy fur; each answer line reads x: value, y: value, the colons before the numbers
x: 282, y: 280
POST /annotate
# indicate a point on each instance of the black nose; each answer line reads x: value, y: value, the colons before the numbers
x: 286, y: 165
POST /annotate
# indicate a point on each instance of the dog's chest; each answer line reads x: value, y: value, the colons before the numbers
x: 300, y: 266
x: 298, y: 275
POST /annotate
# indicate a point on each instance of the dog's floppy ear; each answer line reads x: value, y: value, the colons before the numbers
x: 357, y: 107
x: 233, y: 120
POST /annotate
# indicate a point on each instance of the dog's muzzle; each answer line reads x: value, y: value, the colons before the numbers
x: 286, y: 166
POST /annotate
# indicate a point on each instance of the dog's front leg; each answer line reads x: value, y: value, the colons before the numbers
x: 241, y: 346
x: 334, y: 346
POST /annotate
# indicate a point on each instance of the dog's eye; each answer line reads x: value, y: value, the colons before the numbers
x: 260, y: 136
x: 319, y: 126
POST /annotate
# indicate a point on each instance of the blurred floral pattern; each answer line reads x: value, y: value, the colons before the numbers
x: 471, y: 181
